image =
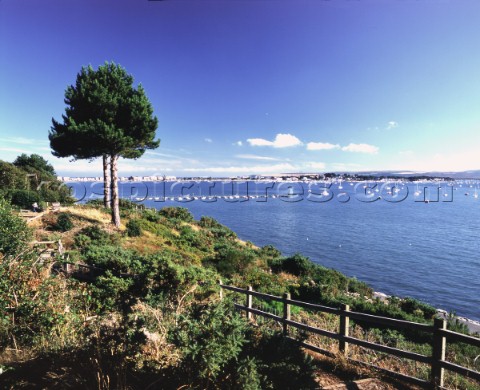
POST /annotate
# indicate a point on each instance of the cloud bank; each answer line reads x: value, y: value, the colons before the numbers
x: 280, y: 141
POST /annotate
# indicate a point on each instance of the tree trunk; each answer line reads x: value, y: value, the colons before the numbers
x: 106, y: 183
x: 114, y: 191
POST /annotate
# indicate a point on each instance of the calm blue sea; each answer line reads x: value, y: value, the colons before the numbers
x: 420, y: 241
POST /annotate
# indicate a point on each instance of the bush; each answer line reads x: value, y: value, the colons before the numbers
x: 24, y: 199
x: 230, y: 260
x: 417, y: 308
x: 210, y: 337
x: 11, y: 177
x: 296, y: 265
x: 247, y: 376
x: 95, y: 234
x: 82, y: 241
x: 33, y: 306
x: 14, y: 232
x: 177, y: 213
x: 282, y: 364
x: 270, y: 251
x: 113, y: 258
x: 216, y: 229
x: 162, y: 278
x: 151, y: 216
x: 192, y: 238
x: 133, y: 228
x: 64, y: 222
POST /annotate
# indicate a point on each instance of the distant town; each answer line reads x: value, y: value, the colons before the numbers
x: 361, y: 176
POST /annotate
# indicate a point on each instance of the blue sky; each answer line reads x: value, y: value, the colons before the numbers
x: 257, y: 86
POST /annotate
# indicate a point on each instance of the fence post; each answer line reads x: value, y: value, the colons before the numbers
x: 344, y: 328
x: 438, y: 352
x: 249, y: 303
x: 221, y: 289
x: 286, y: 313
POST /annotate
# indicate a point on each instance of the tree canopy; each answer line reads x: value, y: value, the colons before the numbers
x: 34, y: 162
x: 106, y: 116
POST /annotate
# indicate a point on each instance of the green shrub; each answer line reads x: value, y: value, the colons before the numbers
x: 82, y: 241
x: 24, y: 199
x: 247, y: 376
x: 64, y: 222
x: 56, y: 192
x: 133, y: 228
x: 33, y: 306
x: 270, y: 251
x: 113, y: 258
x: 216, y: 228
x: 281, y: 364
x: 296, y: 265
x: 11, y: 177
x: 229, y: 260
x: 14, y: 232
x: 417, y: 308
x: 177, y: 213
x: 208, y: 222
x: 112, y: 292
x: 162, y: 277
x: 209, y: 337
x: 151, y: 216
x: 95, y: 234
x: 193, y: 238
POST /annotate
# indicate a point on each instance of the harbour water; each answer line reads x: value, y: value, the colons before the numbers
x: 404, y: 240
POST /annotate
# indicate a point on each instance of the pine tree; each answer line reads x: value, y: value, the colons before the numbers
x: 106, y: 116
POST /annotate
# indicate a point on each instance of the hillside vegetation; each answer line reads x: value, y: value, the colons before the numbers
x: 151, y: 317
x: 31, y: 179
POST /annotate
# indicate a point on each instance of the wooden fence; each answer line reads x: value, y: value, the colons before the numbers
x: 439, y: 332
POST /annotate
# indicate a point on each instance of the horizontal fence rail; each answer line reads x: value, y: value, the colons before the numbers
x: 438, y: 330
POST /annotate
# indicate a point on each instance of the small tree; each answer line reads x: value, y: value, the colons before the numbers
x: 105, y: 117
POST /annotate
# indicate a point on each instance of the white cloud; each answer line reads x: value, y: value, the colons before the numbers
x: 209, y: 140
x: 238, y: 143
x: 281, y: 141
x: 392, y: 125
x: 322, y: 146
x: 259, y: 142
x: 255, y: 157
x: 361, y: 148
x: 316, y: 165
